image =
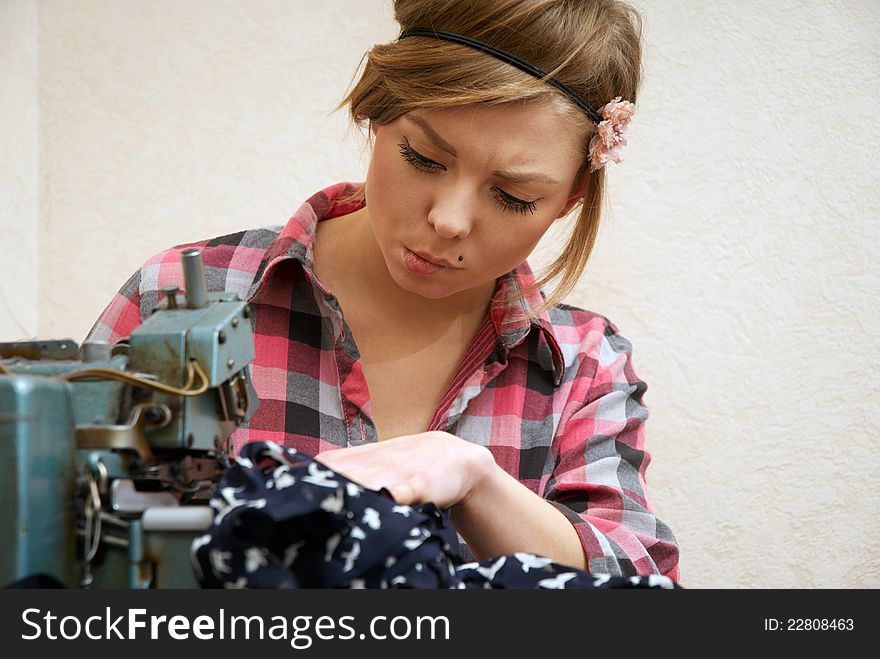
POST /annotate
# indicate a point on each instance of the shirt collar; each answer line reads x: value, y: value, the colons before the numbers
x: 297, y: 238
x: 515, y: 312
x: 514, y: 307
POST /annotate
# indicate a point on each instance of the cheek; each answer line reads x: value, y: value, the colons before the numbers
x: 381, y: 192
x: 509, y: 245
x: 397, y: 196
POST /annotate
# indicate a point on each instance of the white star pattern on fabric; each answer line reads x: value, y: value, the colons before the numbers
x: 254, y: 558
x: 334, y: 504
x: 197, y: 544
x: 238, y: 584
x: 291, y: 553
x: 557, y: 582
x: 244, y: 462
x: 282, y: 482
x: 229, y: 493
x: 351, y: 556
x: 256, y: 503
x: 532, y: 561
x: 489, y: 572
x: 322, y: 477
x: 418, y: 537
x: 654, y: 581
x: 601, y: 579
x: 332, y: 543
x: 371, y: 518
x: 219, y: 561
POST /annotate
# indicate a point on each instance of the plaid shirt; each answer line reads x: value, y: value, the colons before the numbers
x: 555, y: 397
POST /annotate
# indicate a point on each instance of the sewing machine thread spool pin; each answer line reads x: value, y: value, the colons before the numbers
x: 194, y: 278
x: 170, y: 292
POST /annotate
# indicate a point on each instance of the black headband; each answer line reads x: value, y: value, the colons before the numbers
x: 509, y: 58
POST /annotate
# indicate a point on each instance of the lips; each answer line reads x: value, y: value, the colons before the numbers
x: 419, y: 263
x: 433, y: 259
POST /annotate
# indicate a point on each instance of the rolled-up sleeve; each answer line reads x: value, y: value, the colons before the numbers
x: 599, y: 464
x: 122, y: 315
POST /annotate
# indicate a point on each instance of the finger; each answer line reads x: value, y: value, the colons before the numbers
x: 372, y: 476
x: 403, y: 494
x: 355, y: 455
x: 411, y: 491
x: 340, y: 462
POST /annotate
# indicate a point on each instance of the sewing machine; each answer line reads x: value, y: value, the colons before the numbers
x: 109, y: 454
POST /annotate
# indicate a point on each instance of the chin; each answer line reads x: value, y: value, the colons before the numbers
x: 431, y: 290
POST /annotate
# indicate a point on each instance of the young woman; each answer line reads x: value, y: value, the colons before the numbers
x: 401, y: 336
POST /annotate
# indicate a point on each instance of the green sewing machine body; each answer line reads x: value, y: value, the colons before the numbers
x: 111, y: 453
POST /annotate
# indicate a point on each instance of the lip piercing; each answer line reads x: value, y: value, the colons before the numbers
x: 460, y: 259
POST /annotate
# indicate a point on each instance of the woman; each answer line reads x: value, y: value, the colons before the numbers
x: 400, y: 335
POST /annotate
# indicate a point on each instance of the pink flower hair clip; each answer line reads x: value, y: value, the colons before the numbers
x: 608, y: 140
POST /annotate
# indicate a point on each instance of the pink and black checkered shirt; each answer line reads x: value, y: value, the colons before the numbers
x: 555, y: 397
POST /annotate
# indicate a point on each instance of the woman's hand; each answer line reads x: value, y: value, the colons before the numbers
x: 493, y: 512
x: 431, y: 466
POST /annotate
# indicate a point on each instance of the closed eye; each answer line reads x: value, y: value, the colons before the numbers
x: 509, y: 202
x: 416, y: 159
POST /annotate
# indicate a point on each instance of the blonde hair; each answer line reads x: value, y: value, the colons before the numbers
x: 593, y: 46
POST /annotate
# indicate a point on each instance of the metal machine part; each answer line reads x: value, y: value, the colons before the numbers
x: 114, y: 451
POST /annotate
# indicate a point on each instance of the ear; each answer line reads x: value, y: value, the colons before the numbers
x: 579, y: 189
x: 569, y: 204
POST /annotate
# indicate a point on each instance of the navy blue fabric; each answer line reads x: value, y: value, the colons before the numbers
x: 285, y: 521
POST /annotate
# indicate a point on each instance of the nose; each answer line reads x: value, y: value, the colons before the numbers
x: 451, y: 214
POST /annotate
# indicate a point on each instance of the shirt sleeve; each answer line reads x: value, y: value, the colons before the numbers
x: 598, y: 480
x: 139, y: 296
x: 122, y: 315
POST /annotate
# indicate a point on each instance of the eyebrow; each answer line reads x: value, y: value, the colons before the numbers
x: 431, y: 133
x: 521, y: 177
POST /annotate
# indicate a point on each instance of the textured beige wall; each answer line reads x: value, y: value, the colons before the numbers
x: 19, y: 171
x: 739, y: 254
x: 166, y: 121
x: 742, y: 258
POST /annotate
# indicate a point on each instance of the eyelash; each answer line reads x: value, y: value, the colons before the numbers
x: 504, y: 200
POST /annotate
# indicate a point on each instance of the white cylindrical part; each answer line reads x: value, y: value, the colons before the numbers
x: 194, y: 278
x: 177, y: 518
